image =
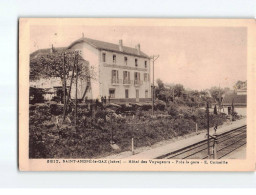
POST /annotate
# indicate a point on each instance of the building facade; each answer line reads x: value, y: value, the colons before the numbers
x: 237, y: 100
x: 120, y: 73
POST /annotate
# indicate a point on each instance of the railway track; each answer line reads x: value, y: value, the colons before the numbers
x: 227, y: 143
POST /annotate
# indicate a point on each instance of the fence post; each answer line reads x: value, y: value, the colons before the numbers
x: 132, y: 147
x: 196, y: 128
x: 215, y: 141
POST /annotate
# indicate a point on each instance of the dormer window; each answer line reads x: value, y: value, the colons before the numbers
x: 136, y: 62
x: 146, y: 64
x: 125, y: 60
x: 114, y: 59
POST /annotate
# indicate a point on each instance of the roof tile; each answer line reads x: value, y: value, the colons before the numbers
x: 108, y: 46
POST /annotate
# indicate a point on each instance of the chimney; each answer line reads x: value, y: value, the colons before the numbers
x: 121, y: 45
x: 52, y: 50
x: 138, y: 49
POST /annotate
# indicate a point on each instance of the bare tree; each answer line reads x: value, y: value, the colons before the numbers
x: 61, y: 64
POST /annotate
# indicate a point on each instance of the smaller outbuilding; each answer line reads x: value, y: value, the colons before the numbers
x: 237, y: 100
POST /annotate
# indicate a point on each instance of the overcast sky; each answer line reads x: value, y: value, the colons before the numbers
x: 197, y: 57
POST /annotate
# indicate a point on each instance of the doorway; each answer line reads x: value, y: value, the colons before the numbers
x: 137, y: 95
x: 126, y: 93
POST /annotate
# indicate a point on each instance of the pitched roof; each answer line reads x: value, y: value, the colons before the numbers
x: 46, y: 51
x: 240, y: 100
x: 109, y: 47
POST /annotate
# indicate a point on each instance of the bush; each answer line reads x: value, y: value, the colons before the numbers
x: 36, y: 95
x: 91, y: 138
x: 146, y: 106
x: 101, y: 114
x: 56, y: 99
x: 173, y: 109
x: 139, y: 113
x: 56, y: 109
x: 236, y: 116
x: 179, y: 101
x: 186, y: 112
x: 160, y: 105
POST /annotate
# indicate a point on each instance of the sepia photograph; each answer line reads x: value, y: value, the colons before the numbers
x: 125, y: 91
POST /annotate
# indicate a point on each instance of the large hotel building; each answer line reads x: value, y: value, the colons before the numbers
x: 121, y: 73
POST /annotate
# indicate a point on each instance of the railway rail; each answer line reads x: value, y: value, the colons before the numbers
x: 220, y: 144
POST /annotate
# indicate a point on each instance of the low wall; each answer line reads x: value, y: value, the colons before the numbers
x: 129, y: 100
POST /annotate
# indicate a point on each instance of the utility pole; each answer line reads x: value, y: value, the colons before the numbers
x: 71, y: 80
x: 153, y: 90
x: 232, y: 110
x: 76, y: 57
x: 219, y: 99
x: 64, y: 90
x: 208, y: 129
x: 173, y: 94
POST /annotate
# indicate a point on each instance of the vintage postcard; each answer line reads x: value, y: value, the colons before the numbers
x: 127, y: 94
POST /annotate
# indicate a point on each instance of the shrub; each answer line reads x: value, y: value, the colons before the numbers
x: 56, y: 109
x: 179, y: 101
x: 101, y: 114
x: 56, y: 99
x: 91, y: 138
x: 36, y: 95
x: 186, y: 112
x: 160, y: 105
x: 146, y: 106
x: 139, y: 113
x: 173, y: 109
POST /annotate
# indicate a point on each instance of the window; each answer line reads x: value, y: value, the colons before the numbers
x: 136, y: 62
x: 125, y: 60
x: 126, y: 77
x: 146, y: 94
x: 146, y: 64
x: 136, y: 78
x: 112, y: 93
x: 126, y: 93
x: 114, y: 59
x: 137, y: 93
x: 115, y: 78
x: 145, y: 76
x: 103, y: 57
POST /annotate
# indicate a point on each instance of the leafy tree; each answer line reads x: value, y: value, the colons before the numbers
x: 195, y: 93
x: 203, y: 93
x: 216, y: 93
x: 160, y: 84
x: 173, y: 109
x: 60, y: 64
x: 160, y: 90
x: 65, y: 65
x: 178, y: 90
x: 240, y: 84
x: 215, y: 110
